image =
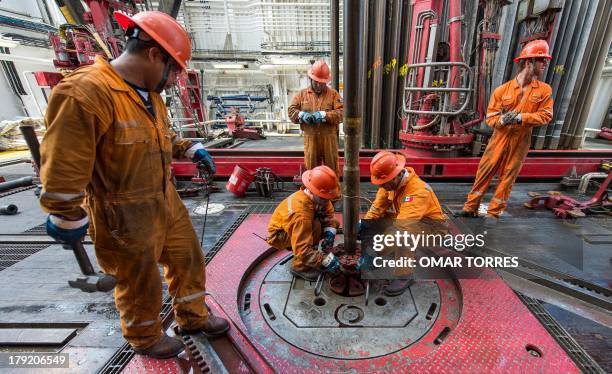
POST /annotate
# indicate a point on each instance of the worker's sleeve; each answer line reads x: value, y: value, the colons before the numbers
x: 379, y: 206
x: 493, y: 116
x: 301, y: 229
x: 542, y: 116
x: 295, y: 107
x: 68, y: 154
x: 335, y: 116
x: 183, y: 148
x: 330, y: 223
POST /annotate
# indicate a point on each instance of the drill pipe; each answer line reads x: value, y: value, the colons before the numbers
x: 354, y: 17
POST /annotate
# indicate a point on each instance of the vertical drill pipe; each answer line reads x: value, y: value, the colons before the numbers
x: 32, y: 141
x: 390, y: 79
x: 354, y: 16
x: 334, y: 37
x: 405, y: 24
x: 378, y: 44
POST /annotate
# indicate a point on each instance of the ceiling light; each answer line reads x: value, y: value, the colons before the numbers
x: 230, y: 66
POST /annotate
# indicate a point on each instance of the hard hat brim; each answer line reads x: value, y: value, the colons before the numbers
x: 317, y: 79
x: 312, y: 188
x: 400, y: 166
x: 126, y: 22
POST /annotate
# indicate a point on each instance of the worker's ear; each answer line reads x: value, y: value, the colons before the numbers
x: 156, y: 55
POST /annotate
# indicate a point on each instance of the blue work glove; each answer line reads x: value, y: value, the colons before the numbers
x: 330, y: 263
x: 201, y: 155
x: 365, y: 261
x: 306, y: 117
x: 319, y: 116
x: 66, y: 231
x: 329, y: 235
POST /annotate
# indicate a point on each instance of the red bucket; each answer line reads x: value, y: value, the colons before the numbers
x: 239, y: 181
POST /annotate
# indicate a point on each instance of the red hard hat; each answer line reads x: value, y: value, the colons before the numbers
x: 534, y: 49
x: 319, y: 71
x: 386, y: 166
x: 322, y: 181
x: 164, y: 29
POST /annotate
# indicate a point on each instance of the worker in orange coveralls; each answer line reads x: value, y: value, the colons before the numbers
x: 108, y: 143
x: 319, y: 110
x: 409, y: 201
x: 303, y: 219
x: 515, y: 108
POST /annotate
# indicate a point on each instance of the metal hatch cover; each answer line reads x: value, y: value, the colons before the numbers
x: 341, y: 327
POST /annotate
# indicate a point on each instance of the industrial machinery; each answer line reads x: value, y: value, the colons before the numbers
x: 237, y: 128
x: 565, y: 206
x: 449, y: 73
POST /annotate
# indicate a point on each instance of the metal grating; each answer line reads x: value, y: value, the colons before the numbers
x: 10, y: 254
x: 37, y: 230
x: 121, y: 358
x: 582, y: 359
x: 262, y: 208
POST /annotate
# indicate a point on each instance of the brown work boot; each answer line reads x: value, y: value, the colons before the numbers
x: 166, y: 347
x: 467, y: 214
x: 215, y: 326
x: 398, y: 286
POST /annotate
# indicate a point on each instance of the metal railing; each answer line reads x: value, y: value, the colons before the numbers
x: 444, y: 68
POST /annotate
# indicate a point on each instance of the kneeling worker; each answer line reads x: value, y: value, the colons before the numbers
x: 409, y: 201
x: 303, y: 219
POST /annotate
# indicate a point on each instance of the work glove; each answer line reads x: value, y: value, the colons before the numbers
x: 201, y: 155
x: 365, y: 261
x: 306, y: 117
x: 330, y: 263
x: 329, y: 235
x: 509, y: 117
x: 67, y: 231
x: 319, y: 116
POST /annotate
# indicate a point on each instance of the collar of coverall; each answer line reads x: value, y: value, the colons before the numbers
x: 535, y: 83
x: 408, y: 175
x: 310, y: 90
x: 116, y: 82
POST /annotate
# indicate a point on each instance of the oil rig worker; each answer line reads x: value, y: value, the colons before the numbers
x: 409, y: 201
x: 319, y: 110
x: 515, y: 108
x: 108, y: 148
x: 301, y: 220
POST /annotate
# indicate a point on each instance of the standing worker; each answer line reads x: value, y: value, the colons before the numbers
x: 409, y: 201
x: 515, y: 108
x: 319, y: 110
x: 303, y: 219
x: 108, y: 144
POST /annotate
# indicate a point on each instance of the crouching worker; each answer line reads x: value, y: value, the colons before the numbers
x: 303, y: 219
x: 409, y: 202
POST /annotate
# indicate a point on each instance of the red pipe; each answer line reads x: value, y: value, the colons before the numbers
x: 454, y: 14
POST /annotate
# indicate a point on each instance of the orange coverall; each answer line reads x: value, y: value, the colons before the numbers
x: 320, y: 140
x: 101, y: 140
x: 509, y: 144
x: 298, y: 222
x: 413, y: 207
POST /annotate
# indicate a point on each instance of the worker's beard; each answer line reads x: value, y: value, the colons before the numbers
x: 319, y: 200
